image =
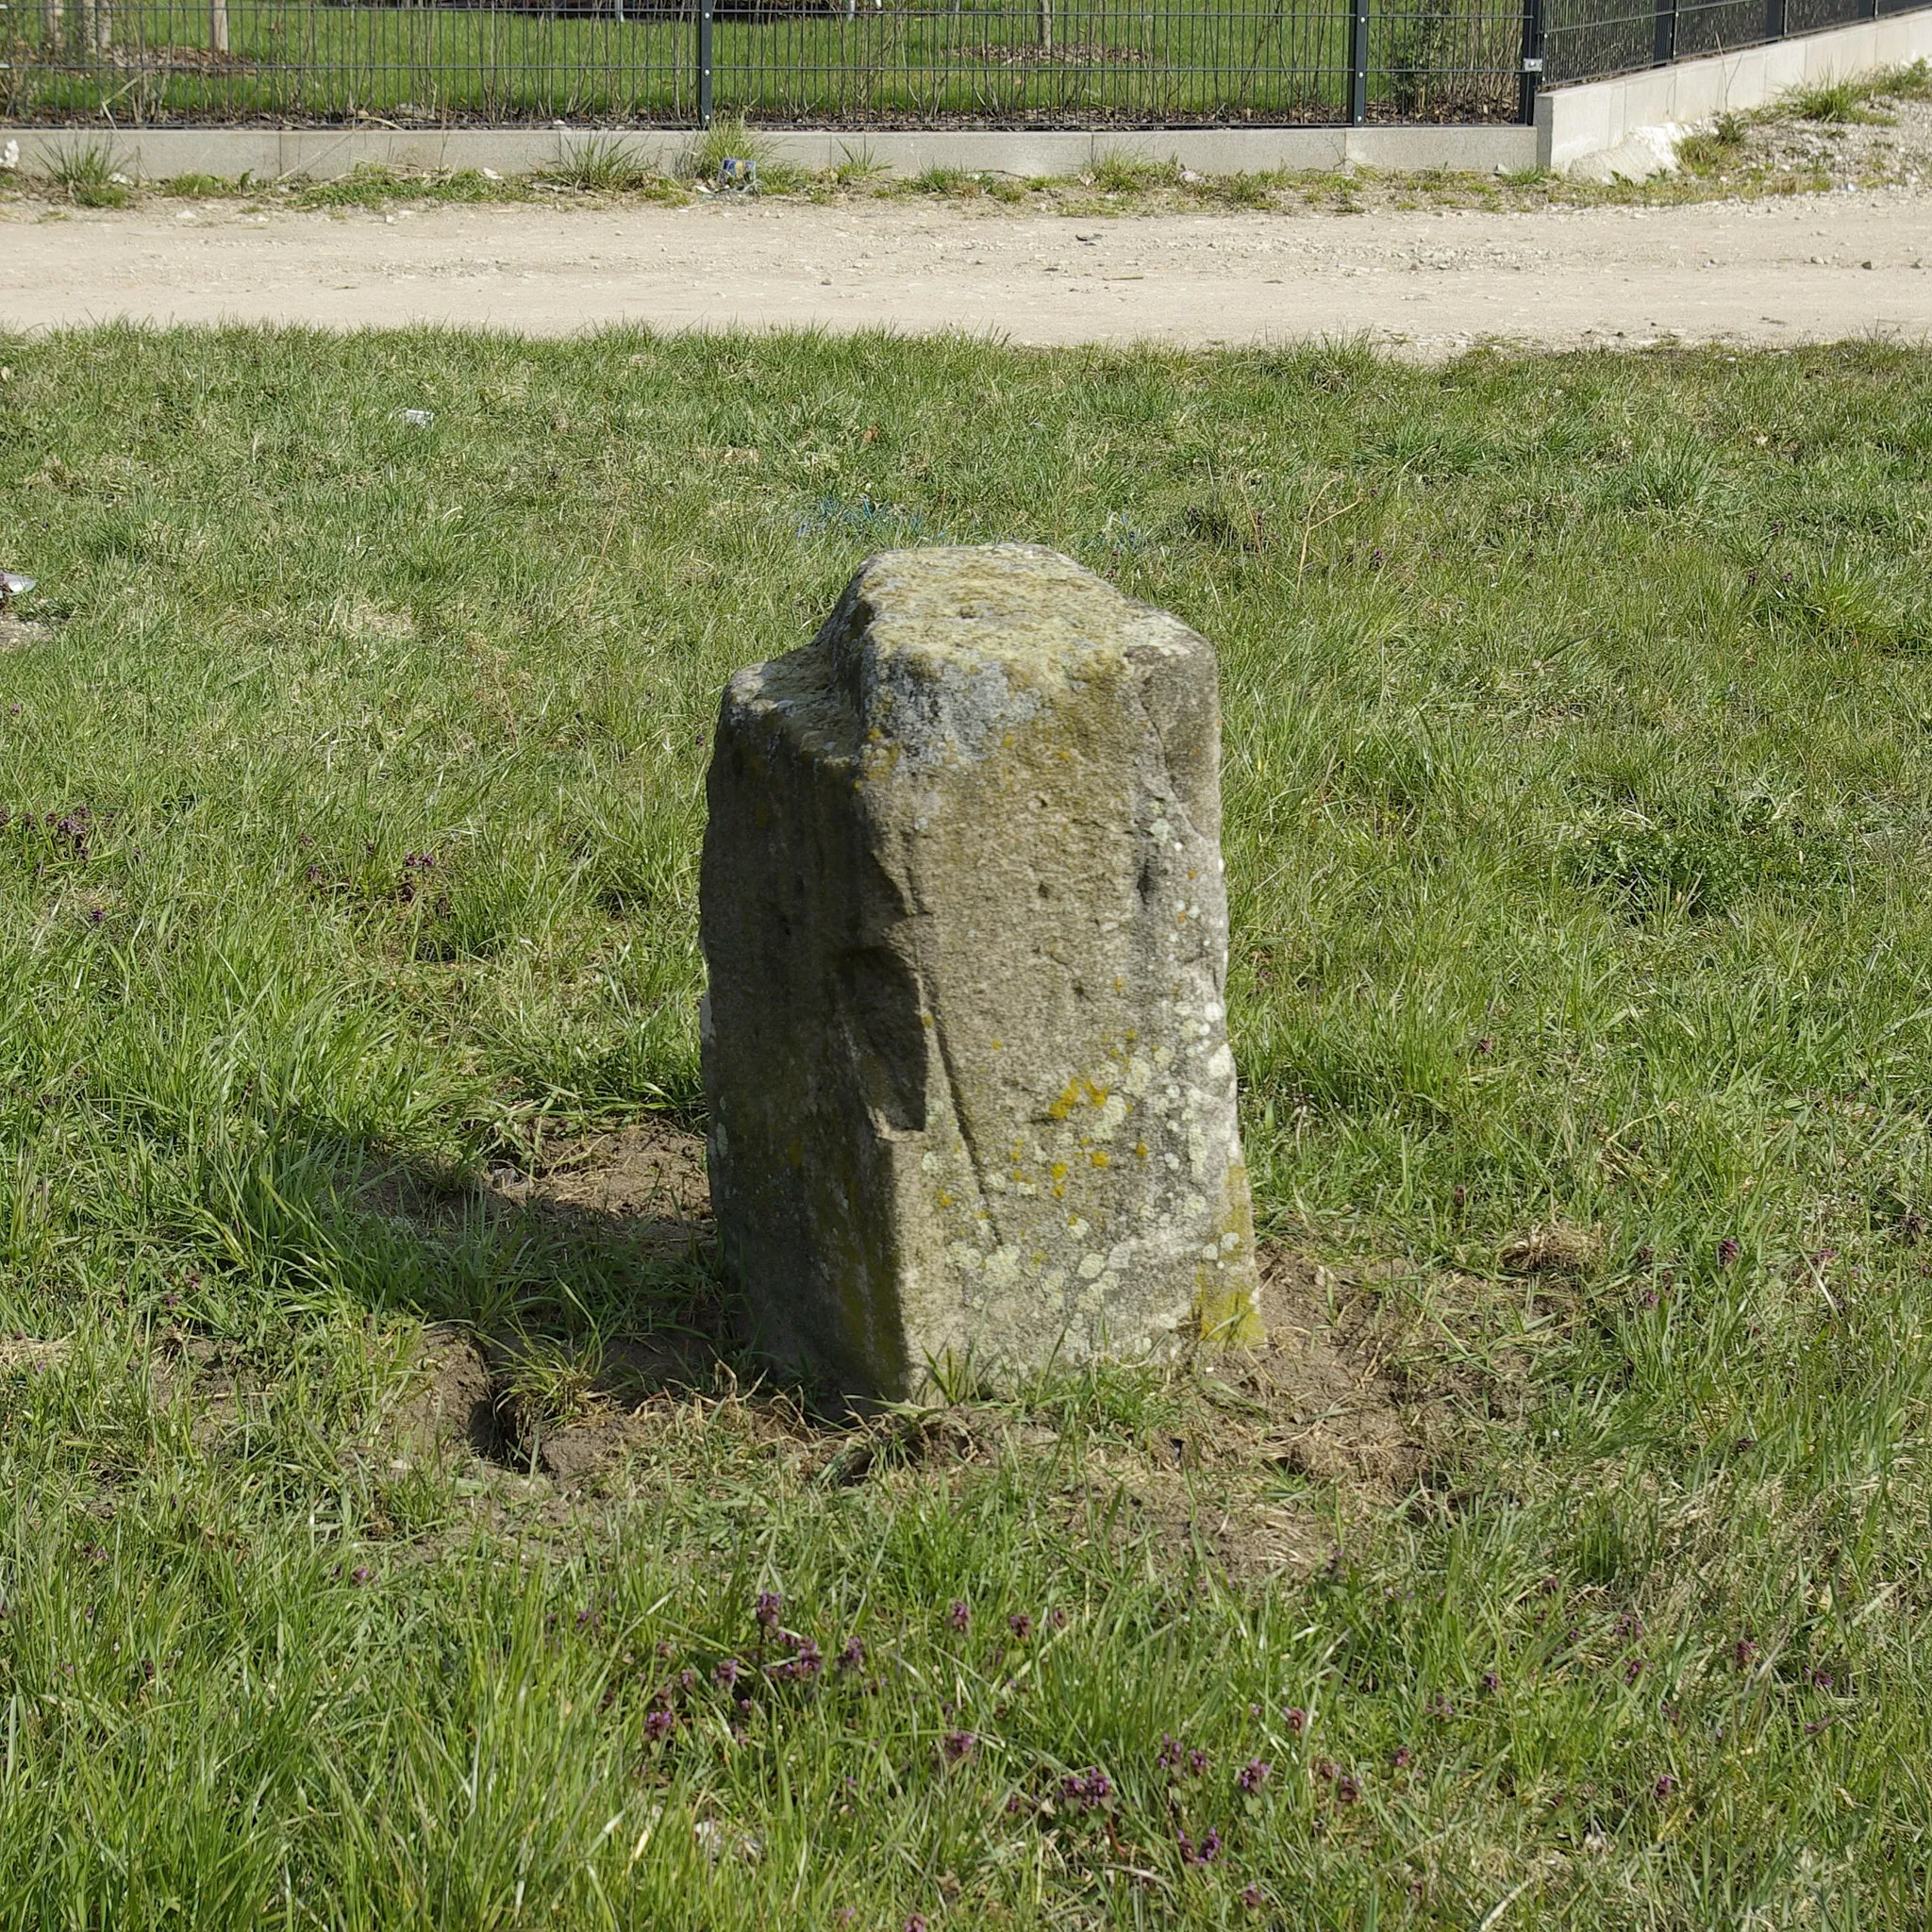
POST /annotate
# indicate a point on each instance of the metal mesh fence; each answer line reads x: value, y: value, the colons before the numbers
x: 1583, y: 39
x: 1074, y: 63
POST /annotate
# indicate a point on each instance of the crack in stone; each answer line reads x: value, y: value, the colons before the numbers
x: 967, y: 1139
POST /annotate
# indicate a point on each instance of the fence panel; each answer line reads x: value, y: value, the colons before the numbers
x: 1054, y: 63
x: 1588, y: 38
x: 879, y: 63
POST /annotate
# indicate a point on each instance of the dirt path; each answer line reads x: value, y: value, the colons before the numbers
x: 1428, y: 282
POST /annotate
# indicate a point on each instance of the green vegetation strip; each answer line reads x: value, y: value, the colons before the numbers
x: 1579, y: 806
x: 1736, y: 157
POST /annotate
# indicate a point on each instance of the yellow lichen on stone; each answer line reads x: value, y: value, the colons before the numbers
x: 1077, y: 1089
x: 1226, y: 1315
x: 1227, y: 1295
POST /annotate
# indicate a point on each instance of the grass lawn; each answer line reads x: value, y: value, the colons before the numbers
x: 1579, y: 796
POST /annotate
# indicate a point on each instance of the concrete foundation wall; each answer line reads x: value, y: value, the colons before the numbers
x: 323, y: 154
x: 1594, y: 116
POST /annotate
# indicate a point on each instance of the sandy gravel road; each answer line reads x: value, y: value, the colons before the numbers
x: 1428, y: 283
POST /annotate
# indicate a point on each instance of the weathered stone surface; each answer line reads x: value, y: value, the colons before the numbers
x: 965, y: 1047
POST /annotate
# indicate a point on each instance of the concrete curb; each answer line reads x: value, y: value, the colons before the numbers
x: 325, y: 154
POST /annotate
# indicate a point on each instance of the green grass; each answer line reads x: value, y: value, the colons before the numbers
x: 1578, y: 719
x: 208, y: 186
x: 1830, y: 100
x: 1857, y: 97
x: 85, y: 174
x: 370, y: 185
x: 1721, y: 145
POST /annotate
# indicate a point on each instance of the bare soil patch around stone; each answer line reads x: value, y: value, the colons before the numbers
x: 649, y: 1178
x: 1259, y: 1454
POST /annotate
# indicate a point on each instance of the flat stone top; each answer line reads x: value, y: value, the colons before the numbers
x: 1038, y: 615
x: 934, y: 659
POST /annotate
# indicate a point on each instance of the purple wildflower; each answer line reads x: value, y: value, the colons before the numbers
x: 1490, y: 1680
x: 1665, y: 1785
x: 659, y: 1725
x: 1296, y: 1719
x: 915, y: 1922
x: 1169, y: 1756
x: 1347, y: 1789
x: 1401, y: 1759
x: 1020, y: 1624
x: 1254, y: 1774
x: 1197, y: 1762
x: 1633, y: 1669
x: 767, y: 1607
x: 1727, y: 1251
x: 361, y: 1573
x: 1743, y: 1651
x: 727, y: 1671
x: 809, y: 1662
x: 956, y: 1746
x: 1204, y: 1853
x: 1087, y: 1790
x: 959, y: 1616
x: 1251, y: 1897
x: 853, y: 1657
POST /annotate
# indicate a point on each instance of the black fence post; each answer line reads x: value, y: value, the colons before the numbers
x: 1773, y: 20
x: 1358, y: 66
x: 1664, y: 49
x: 704, y: 63
x: 1532, y: 62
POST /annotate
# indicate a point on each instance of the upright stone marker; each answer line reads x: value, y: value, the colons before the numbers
x: 965, y: 1047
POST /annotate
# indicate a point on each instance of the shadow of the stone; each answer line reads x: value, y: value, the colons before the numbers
x: 580, y: 1287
